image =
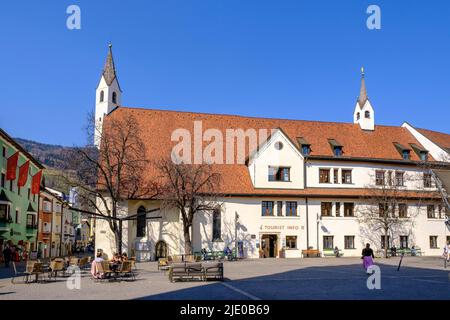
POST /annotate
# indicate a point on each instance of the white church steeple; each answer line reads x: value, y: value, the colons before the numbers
x: 364, y: 114
x: 108, y: 94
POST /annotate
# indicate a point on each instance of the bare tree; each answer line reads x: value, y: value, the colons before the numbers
x: 385, y: 208
x: 190, y: 189
x: 114, y: 173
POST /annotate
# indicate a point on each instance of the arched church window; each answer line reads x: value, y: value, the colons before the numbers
x: 102, y: 96
x: 141, y: 222
x: 358, y: 116
x: 367, y: 114
x: 114, y: 97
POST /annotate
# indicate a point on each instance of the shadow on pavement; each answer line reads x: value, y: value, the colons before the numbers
x: 346, y: 282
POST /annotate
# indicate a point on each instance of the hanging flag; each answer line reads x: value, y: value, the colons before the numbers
x: 36, y: 182
x: 11, y: 166
x: 23, y: 174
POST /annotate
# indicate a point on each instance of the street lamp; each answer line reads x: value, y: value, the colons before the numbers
x: 236, y: 219
x: 319, y: 219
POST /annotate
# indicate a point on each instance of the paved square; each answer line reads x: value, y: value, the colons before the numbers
x: 315, y: 278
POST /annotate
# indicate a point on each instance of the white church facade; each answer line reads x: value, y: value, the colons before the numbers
x: 306, y: 186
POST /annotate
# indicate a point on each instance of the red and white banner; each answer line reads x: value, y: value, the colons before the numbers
x: 36, y: 182
x: 11, y: 166
x: 23, y: 174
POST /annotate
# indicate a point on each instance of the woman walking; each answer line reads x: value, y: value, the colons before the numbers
x: 367, y: 256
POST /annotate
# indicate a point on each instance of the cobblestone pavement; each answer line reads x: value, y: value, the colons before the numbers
x: 314, y: 278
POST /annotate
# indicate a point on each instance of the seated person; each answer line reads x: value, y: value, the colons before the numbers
x: 227, y: 252
x: 336, y: 252
x: 116, y: 258
x: 124, y: 257
x: 394, y: 251
x: 99, y: 257
x: 413, y: 251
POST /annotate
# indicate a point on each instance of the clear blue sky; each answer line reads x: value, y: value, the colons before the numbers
x: 285, y: 58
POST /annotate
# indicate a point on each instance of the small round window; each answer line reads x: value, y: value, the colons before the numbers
x: 278, y: 145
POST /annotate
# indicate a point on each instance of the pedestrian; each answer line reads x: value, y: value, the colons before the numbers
x: 367, y: 256
x: 336, y: 252
x: 7, y: 255
x: 446, y: 254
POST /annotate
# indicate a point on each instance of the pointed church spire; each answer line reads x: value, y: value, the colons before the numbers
x: 363, y: 92
x: 109, y: 71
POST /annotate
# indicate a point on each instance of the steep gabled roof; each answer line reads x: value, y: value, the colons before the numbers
x: 439, y: 138
x: 157, y: 126
x: 109, y: 69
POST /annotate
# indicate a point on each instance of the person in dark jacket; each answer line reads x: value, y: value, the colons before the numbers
x: 7, y: 255
x: 367, y: 256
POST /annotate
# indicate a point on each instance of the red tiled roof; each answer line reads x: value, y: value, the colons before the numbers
x: 441, y: 139
x: 156, y: 127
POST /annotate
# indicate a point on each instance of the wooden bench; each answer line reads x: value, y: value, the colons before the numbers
x: 311, y: 253
x: 330, y: 253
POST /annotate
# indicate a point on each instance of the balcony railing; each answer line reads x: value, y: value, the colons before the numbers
x: 6, y: 220
x: 32, y: 226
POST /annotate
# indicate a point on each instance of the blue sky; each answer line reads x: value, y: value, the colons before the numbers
x: 286, y: 58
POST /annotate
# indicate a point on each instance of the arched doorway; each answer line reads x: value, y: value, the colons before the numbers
x: 161, y: 249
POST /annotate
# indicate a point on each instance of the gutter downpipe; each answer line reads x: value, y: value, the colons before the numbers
x: 306, y: 202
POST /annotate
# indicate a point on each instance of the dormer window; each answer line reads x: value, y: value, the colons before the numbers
x: 421, y: 152
x: 336, y: 147
x: 305, y: 146
x: 114, y: 97
x: 406, y: 154
x: 424, y: 156
x: 404, y: 151
x: 367, y: 114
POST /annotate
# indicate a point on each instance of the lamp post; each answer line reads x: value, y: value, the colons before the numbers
x: 318, y: 222
x: 236, y: 218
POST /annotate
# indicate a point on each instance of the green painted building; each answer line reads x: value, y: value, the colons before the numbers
x: 18, y: 206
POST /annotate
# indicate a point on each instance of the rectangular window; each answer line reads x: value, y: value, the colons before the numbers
x: 349, y: 242
x: 324, y: 175
x: 403, y: 242
x: 389, y: 178
x: 338, y: 209
x: 427, y: 180
x: 11, y: 186
x: 47, y: 205
x: 291, y: 242
x: 3, y: 212
x: 399, y: 181
x: 336, y: 175
x: 379, y: 178
x: 34, y: 197
x: 402, y: 210
x: 3, y: 180
x: 217, y: 226
x: 433, y: 242
x: 328, y: 242
x: 29, y: 194
x: 267, y: 208
x: 383, y: 242
x: 325, y: 208
x: 291, y: 208
x: 4, y: 152
x: 31, y: 219
x: 430, y: 211
x: 440, y: 211
x: 17, y: 216
x: 347, y: 176
x: 383, y: 209
x: 279, y: 174
x: 280, y: 208
x: 18, y: 190
x: 349, y: 210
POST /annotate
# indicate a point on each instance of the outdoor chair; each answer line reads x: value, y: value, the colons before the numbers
x: 17, y: 274
x: 126, y: 270
x: 55, y: 267
x: 33, y: 268
x: 189, y: 258
x: 83, y: 263
x: 73, y: 261
x: 107, y: 270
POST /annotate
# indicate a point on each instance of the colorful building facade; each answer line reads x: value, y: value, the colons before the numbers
x: 18, y: 204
